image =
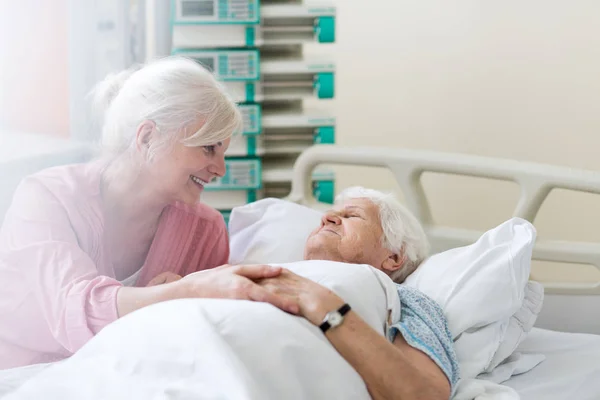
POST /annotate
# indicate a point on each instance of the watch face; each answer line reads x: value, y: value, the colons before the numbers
x: 335, y: 318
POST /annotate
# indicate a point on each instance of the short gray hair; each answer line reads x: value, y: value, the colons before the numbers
x: 402, y: 232
x: 173, y: 92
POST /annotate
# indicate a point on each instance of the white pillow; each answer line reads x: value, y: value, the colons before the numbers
x: 480, y: 287
x: 520, y: 324
x: 270, y: 231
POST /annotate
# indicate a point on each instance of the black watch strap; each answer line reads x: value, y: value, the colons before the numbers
x: 343, y: 310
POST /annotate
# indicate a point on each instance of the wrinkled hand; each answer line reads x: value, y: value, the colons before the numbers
x: 165, y: 277
x: 314, y: 300
x: 236, y: 282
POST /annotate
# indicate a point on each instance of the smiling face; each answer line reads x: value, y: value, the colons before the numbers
x: 350, y: 233
x: 180, y: 173
x: 184, y: 172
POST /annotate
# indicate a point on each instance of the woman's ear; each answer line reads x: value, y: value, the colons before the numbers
x: 144, y: 136
x: 393, y: 262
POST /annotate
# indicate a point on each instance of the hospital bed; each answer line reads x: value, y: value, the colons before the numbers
x: 572, y: 365
x: 567, y: 331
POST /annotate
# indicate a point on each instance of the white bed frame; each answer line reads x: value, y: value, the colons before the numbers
x: 567, y: 306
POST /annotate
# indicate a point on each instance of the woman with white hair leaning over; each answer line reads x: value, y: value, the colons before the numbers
x: 83, y: 245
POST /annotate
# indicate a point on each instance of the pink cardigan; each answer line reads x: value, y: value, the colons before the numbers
x: 57, y: 285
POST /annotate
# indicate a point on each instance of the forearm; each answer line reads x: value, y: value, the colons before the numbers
x: 386, y: 370
x: 130, y: 299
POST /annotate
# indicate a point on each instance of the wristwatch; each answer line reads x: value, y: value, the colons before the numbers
x: 334, y: 318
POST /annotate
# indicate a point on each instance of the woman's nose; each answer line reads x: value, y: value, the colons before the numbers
x: 331, y: 218
x: 218, y: 168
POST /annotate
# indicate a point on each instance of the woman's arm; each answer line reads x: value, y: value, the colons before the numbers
x: 227, y: 281
x: 57, y: 280
x: 389, y: 370
x: 395, y: 370
x: 130, y: 299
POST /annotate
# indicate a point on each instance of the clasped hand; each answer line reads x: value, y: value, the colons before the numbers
x: 264, y: 283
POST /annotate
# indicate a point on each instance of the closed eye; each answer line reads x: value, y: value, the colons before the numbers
x: 210, y: 149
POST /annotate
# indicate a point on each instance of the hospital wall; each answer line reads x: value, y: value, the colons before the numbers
x: 512, y: 79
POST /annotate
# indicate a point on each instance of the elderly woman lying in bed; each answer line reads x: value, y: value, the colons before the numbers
x: 343, y: 342
x: 369, y: 228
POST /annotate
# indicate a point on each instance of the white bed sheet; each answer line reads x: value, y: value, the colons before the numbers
x: 12, y: 379
x: 571, y: 370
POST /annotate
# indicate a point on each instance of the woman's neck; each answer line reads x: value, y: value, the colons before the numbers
x: 127, y: 195
x: 131, y: 216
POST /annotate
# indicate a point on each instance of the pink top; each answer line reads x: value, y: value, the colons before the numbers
x: 58, y: 287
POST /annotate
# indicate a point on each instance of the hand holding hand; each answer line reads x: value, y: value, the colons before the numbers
x: 236, y: 282
x: 314, y: 300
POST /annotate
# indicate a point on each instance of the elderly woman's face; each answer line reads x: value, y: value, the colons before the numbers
x: 351, y: 233
x: 180, y: 174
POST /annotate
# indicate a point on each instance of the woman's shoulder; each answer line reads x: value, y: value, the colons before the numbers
x: 70, y: 180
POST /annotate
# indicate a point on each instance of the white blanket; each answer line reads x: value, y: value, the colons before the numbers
x: 222, y: 349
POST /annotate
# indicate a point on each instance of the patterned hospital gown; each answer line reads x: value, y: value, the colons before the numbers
x: 424, y: 327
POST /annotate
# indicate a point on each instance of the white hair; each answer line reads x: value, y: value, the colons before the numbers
x: 172, y: 92
x: 402, y: 232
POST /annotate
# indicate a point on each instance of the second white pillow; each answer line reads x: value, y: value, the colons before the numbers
x: 480, y: 287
